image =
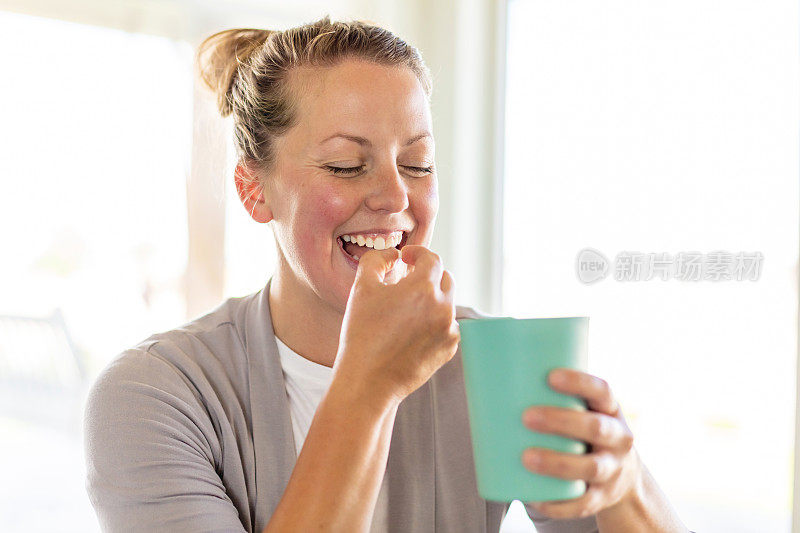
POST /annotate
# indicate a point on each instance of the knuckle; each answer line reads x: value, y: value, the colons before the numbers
x: 455, y: 341
x: 448, y: 298
x: 627, y: 441
x: 428, y: 291
x: 602, y: 385
x: 594, y: 468
x: 594, y: 504
x: 455, y: 334
x: 431, y: 292
x: 442, y: 323
x: 447, y: 316
x: 597, y: 428
x: 424, y: 295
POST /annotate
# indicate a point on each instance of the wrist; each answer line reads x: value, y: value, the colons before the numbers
x: 638, y: 492
x: 359, y: 393
x: 632, y: 502
x: 642, y: 508
x: 364, y: 384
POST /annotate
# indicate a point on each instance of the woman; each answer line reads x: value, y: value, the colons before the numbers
x: 333, y: 398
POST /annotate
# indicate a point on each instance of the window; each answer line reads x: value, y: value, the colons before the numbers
x: 95, y: 141
x: 666, y: 128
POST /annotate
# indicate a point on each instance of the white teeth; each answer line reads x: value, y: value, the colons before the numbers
x: 379, y: 243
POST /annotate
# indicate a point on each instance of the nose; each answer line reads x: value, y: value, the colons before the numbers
x: 388, y: 191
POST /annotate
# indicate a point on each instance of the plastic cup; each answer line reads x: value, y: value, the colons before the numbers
x: 506, y: 362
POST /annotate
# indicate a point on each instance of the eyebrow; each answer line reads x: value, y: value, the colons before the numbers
x: 365, y: 142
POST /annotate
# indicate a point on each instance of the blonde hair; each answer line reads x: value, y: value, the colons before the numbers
x: 248, y: 68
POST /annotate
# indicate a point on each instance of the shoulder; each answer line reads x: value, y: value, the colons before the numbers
x: 221, y: 321
x: 140, y: 401
x: 178, y: 366
x: 207, y: 345
x: 167, y: 388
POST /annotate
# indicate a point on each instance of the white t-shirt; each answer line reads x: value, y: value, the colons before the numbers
x: 306, y: 384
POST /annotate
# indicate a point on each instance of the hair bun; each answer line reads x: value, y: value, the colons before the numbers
x: 219, y: 58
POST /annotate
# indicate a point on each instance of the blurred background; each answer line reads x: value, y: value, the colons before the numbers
x: 621, y: 126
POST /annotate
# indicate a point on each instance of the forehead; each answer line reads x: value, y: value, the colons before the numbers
x: 361, y: 97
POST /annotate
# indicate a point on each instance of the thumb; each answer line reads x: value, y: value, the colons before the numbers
x: 374, y: 264
x: 411, y: 254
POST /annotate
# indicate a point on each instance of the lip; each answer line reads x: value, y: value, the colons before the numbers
x: 349, y: 260
x: 375, y: 231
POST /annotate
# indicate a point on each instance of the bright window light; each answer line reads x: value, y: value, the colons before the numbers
x: 667, y: 127
x: 250, y: 252
x: 93, y: 150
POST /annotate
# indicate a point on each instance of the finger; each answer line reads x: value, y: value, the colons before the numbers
x: 595, y: 467
x: 598, y: 429
x: 595, y: 390
x: 590, y: 503
x: 424, y: 263
x: 448, y: 286
x: 374, y: 264
x: 455, y: 331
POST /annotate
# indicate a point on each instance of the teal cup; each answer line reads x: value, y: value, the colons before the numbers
x: 506, y: 362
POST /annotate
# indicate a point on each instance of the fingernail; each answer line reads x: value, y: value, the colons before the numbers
x: 558, y: 377
x: 532, y: 458
x: 533, y: 417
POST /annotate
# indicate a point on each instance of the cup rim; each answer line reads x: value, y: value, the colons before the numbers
x: 526, y: 319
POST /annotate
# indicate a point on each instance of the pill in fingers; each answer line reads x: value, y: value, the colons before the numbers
x: 375, y: 264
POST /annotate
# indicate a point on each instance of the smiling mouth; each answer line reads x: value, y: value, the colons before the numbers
x: 354, y: 251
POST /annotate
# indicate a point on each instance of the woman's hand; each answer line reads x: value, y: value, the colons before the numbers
x: 395, y: 336
x: 612, y: 468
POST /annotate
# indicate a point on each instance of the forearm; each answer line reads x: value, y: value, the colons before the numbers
x: 646, y: 508
x: 335, y: 483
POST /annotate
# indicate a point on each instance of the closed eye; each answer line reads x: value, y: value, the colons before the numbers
x: 352, y: 171
x: 421, y: 170
x: 346, y: 171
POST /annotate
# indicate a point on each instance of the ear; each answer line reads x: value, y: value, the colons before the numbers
x: 251, y: 193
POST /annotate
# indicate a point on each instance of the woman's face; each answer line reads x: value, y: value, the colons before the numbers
x: 359, y: 161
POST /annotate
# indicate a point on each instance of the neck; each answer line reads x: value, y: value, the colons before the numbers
x: 301, y: 319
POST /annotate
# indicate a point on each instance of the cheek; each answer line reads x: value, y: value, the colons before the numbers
x: 323, y: 211
x: 329, y: 207
x: 426, y: 203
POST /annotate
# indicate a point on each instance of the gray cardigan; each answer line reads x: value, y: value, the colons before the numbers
x: 190, y: 431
